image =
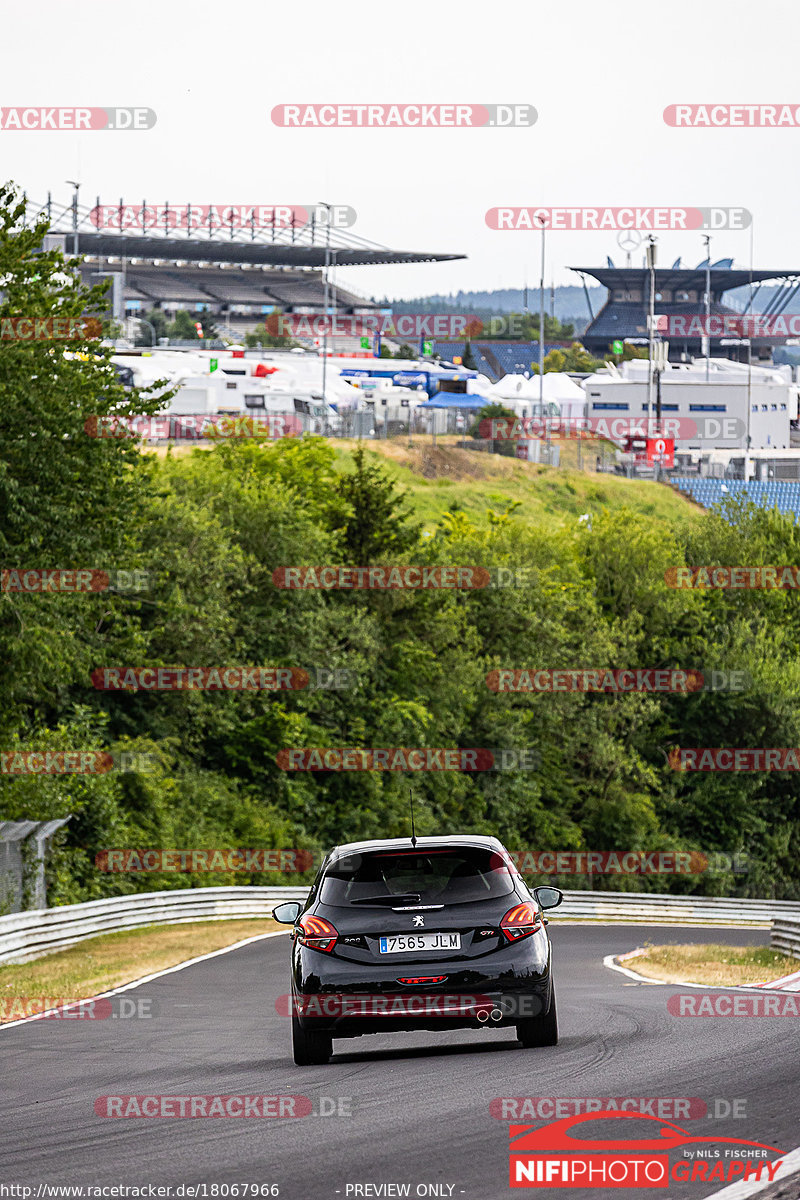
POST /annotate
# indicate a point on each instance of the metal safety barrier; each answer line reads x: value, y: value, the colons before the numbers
x: 786, y: 936
x: 656, y: 909
x: 28, y: 935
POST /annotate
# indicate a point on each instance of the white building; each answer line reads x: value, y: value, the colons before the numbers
x: 733, y: 401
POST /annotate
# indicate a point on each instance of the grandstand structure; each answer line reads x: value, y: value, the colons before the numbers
x: 783, y: 494
x: 237, y: 275
x: 680, y: 289
x: 496, y: 359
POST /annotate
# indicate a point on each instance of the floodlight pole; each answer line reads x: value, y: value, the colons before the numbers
x: 707, y: 338
x: 749, y: 370
x: 541, y: 221
x: 651, y: 265
x: 325, y: 305
x: 76, y: 187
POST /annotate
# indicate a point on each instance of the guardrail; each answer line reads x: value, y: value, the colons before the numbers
x: 655, y: 909
x: 786, y: 936
x: 28, y: 935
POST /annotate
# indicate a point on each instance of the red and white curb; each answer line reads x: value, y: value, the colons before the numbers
x: 741, y: 1190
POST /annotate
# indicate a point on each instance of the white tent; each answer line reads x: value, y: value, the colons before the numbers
x: 522, y: 394
x: 480, y: 386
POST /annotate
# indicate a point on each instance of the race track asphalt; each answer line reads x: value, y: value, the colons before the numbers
x: 418, y: 1103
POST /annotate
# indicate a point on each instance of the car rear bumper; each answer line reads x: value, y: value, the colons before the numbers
x: 348, y: 999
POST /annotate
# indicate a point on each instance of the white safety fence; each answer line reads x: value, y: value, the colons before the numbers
x: 30, y: 934
x: 786, y: 936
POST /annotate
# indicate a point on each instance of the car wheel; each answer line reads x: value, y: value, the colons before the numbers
x: 540, y: 1031
x: 310, y: 1047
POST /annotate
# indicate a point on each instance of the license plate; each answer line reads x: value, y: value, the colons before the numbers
x: 405, y: 943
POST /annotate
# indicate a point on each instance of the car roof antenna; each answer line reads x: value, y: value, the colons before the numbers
x: 413, y: 830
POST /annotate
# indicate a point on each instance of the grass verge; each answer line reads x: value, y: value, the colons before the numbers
x: 447, y: 477
x: 113, y: 959
x: 712, y: 964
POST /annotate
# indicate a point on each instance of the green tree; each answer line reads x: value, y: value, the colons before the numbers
x: 378, y: 524
x: 68, y: 497
x: 490, y: 412
x: 183, y: 327
x: 468, y: 358
x: 158, y: 320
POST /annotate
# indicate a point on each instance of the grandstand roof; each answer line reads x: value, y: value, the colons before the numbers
x: 114, y: 245
x: 681, y: 277
x: 305, y: 245
x: 620, y: 319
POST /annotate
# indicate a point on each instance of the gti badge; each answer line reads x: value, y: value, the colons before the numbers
x: 419, y: 920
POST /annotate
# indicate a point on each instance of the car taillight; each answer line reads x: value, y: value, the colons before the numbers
x: 418, y: 979
x: 317, y: 933
x: 520, y: 922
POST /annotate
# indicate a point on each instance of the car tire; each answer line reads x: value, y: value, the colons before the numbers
x: 310, y: 1047
x: 540, y: 1031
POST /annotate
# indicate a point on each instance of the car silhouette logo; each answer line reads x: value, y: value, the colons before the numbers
x: 557, y: 1136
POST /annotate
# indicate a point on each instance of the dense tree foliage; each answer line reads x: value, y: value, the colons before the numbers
x: 210, y: 529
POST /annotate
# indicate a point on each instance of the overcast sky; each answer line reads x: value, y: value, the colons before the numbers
x: 600, y: 76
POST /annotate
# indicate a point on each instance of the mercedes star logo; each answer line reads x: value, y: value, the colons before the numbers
x: 629, y: 239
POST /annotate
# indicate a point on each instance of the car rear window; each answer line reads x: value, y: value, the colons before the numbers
x: 454, y: 876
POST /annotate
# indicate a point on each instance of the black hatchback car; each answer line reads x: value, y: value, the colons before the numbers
x: 438, y: 933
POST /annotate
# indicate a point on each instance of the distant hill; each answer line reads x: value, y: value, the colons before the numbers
x: 566, y: 303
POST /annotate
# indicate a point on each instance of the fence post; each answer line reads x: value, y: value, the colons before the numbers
x: 12, y: 872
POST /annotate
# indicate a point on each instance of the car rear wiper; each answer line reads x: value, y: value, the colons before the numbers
x: 386, y: 899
